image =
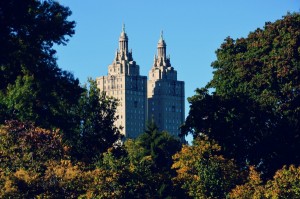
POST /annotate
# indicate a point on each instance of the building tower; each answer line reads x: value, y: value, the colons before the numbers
x: 124, y: 82
x: 165, y: 93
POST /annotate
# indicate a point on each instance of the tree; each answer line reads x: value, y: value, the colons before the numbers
x: 254, y: 188
x: 253, y: 108
x: 160, y: 146
x: 203, y: 172
x: 29, y: 29
x: 141, y: 168
x: 23, y: 145
x: 35, y: 163
x: 26, y: 152
x: 284, y: 184
x: 96, y: 132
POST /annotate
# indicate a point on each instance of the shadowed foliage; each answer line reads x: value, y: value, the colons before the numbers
x: 253, y: 110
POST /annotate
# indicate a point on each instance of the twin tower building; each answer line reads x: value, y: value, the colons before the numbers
x: 161, y: 98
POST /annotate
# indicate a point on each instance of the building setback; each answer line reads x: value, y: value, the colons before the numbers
x: 162, y: 101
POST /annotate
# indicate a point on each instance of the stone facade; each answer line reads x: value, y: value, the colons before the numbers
x: 163, y: 101
x: 125, y: 83
x: 165, y: 93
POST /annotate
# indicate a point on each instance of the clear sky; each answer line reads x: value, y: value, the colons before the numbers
x: 193, y: 30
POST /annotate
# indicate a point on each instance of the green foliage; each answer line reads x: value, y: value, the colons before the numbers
x: 20, y: 99
x: 253, y: 111
x: 253, y: 188
x: 203, y: 172
x: 35, y: 163
x: 96, y: 132
x: 142, y: 168
x: 159, y: 145
x: 26, y: 152
x: 34, y: 89
x: 29, y: 29
x: 285, y: 184
x: 22, y: 145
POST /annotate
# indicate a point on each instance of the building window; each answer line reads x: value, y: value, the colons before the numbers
x: 173, y: 108
x: 135, y: 104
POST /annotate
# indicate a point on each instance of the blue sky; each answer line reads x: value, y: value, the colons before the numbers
x: 193, y: 30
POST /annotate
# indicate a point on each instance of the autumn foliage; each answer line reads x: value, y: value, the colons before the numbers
x: 285, y: 184
x: 203, y: 172
x: 58, y: 139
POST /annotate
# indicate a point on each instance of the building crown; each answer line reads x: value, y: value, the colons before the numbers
x: 123, y: 53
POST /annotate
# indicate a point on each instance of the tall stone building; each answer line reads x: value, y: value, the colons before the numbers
x: 125, y: 83
x: 165, y: 93
x: 162, y: 101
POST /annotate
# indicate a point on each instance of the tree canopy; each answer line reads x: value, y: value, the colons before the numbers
x: 96, y: 131
x: 58, y: 139
x: 252, y: 109
x: 203, y: 172
x: 34, y: 89
x: 32, y: 86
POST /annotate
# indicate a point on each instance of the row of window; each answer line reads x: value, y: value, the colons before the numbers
x: 172, y: 127
x: 113, y: 87
x: 173, y: 121
x: 114, y: 70
x: 135, y: 111
x: 119, y: 86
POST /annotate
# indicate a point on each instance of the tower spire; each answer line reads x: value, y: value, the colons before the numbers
x: 162, y: 35
x: 123, y: 27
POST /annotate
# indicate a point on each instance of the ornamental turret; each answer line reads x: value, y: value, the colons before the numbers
x: 123, y: 41
x: 161, y: 48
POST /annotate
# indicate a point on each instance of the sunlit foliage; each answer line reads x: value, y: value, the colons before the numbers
x: 203, y: 172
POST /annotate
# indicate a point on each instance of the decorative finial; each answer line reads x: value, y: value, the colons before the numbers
x: 162, y: 35
x: 123, y: 27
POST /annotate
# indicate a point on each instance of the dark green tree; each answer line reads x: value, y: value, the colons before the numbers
x: 160, y: 146
x: 253, y: 109
x: 96, y: 132
x: 32, y: 86
x: 143, y: 168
